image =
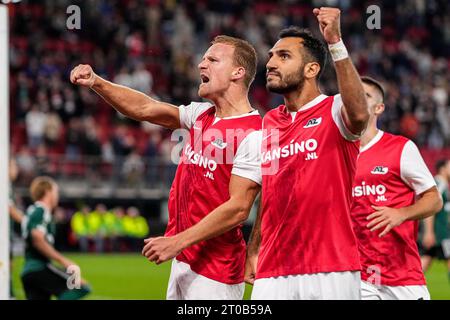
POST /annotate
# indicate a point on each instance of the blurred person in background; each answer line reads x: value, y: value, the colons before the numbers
x: 119, y: 228
x: 133, y: 169
x: 97, y: 229
x: 40, y: 278
x: 80, y: 228
x: 26, y: 164
x: 112, y: 231
x: 435, y: 240
x: 135, y: 227
x: 36, y: 122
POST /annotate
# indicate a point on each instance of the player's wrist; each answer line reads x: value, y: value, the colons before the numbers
x: 334, y: 40
x: 404, y: 214
x: 94, y: 81
x: 180, y: 242
x: 338, y: 49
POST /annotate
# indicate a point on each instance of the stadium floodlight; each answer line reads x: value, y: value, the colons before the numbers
x: 4, y: 155
x: 10, y: 1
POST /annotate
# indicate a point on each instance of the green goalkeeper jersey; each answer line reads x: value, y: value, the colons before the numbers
x: 37, y: 217
x: 441, y: 218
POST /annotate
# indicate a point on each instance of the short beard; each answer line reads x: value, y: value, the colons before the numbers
x: 292, y: 82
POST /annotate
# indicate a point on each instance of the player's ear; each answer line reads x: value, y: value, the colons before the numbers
x: 238, y: 73
x: 311, y: 70
x: 379, y: 109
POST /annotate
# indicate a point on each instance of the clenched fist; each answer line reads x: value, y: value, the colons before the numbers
x: 329, y: 22
x: 83, y: 75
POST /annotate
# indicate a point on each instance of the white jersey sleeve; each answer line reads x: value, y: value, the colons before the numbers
x: 413, y: 170
x: 247, y: 161
x: 189, y: 113
x: 336, y: 111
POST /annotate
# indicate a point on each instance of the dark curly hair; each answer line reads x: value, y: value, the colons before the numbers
x: 315, y: 48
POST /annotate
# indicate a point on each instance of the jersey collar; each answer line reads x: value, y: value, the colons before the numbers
x: 373, y: 141
x: 251, y: 113
x: 310, y: 104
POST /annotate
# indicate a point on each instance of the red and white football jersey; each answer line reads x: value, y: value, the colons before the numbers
x: 308, y: 165
x: 216, y: 149
x: 390, y: 173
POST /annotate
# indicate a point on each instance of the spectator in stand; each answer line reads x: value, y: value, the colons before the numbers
x: 122, y: 144
x: 52, y: 129
x: 141, y: 79
x: 35, y: 123
x: 92, y: 148
x: 26, y: 163
x: 42, y: 161
x: 124, y: 77
x: 74, y: 139
x: 133, y: 169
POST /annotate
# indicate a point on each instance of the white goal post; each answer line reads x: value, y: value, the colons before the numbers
x: 4, y: 154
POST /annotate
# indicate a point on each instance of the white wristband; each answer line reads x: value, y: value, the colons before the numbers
x: 338, y: 51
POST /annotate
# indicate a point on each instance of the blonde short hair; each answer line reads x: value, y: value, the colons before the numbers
x: 244, y: 56
x: 40, y: 186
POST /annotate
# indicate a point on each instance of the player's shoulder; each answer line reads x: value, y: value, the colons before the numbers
x: 198, y: 106
x: 36, y: 209
x: 191, y: 112
x: 397, y: 139
x: 35, y: 214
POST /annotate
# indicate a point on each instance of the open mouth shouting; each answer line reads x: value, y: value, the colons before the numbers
x: 204, y: 78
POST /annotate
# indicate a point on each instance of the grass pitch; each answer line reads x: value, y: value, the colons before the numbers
x: 131, y: 276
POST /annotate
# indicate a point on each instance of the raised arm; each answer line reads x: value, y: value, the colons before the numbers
x: 15, y: 214
x: 129, y: 102
x: 355, y: 111
x: 230, y: 214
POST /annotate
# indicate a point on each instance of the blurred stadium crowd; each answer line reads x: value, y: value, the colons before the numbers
x: 154, y: 46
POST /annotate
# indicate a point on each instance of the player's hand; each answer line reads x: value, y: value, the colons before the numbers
x: 161, y: 249
x: 66, y: 263
x: 429, y: 240
x: 329, y: 23
x: 83, y: 282
x: 83, y: 75
x: 250, y: 269
x: 386, y: 217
